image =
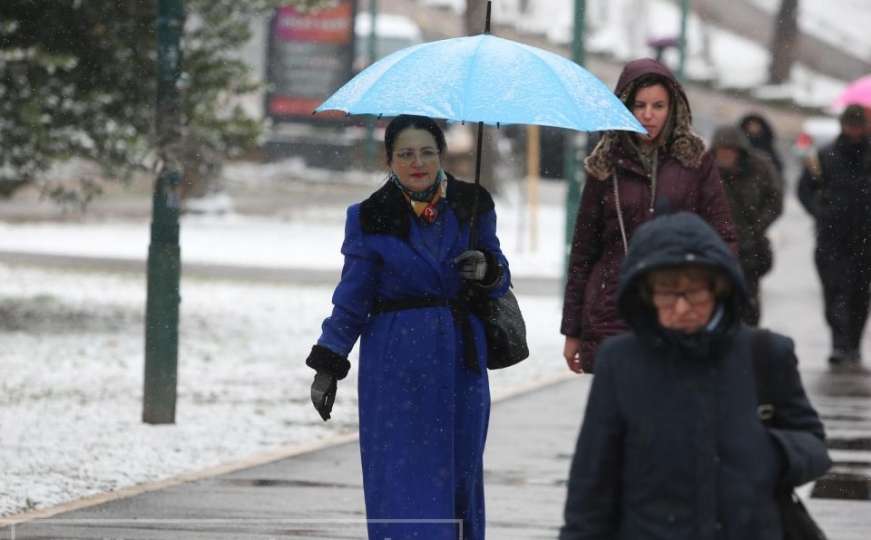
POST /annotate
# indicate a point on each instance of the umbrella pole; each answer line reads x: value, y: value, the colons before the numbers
x: 473, y: 221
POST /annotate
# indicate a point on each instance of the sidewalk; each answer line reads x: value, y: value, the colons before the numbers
x: 319, y: 494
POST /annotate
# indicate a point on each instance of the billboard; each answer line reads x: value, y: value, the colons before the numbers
x: 309, y: 57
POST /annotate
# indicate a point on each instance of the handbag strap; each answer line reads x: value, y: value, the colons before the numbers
x: 761, y: 349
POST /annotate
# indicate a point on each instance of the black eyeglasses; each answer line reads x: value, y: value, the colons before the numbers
x: 694, y: 297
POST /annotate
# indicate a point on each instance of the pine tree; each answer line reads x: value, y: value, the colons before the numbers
x: 78, y: 79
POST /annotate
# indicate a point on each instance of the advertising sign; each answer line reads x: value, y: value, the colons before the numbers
x: 309, y: 57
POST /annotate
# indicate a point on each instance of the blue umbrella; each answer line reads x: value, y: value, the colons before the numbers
x: 486, y: 79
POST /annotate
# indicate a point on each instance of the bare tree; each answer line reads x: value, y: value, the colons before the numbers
x: 476, y: 11
x: 784, y: 42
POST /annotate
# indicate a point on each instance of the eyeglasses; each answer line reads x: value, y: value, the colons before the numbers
x: 694, y: 297
x: 408, y: 155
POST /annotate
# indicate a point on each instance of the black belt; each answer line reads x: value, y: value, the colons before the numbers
x: 459, y: 310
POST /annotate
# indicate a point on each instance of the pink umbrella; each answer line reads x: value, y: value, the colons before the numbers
x: 857, y: 92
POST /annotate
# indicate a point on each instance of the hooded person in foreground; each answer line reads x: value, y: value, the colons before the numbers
x: 672, y: 445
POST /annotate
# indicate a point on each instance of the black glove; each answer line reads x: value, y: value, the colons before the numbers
x: 472, y: 265
x: 324, y: 393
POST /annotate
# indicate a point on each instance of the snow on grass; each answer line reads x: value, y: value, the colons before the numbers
x: 71, y: 394
x: 308, y: 238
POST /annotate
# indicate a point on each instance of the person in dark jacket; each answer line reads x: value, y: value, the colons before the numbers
x: 672, y: 446
x: 755, y: 192
x: 835, y: 188
x: 762, y: 137
x: 632, y: 179
x: 423, y: 393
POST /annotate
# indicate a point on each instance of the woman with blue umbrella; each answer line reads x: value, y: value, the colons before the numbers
x: 424, y: 398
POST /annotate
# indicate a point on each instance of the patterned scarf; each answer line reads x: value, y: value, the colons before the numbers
x: 423, y: 203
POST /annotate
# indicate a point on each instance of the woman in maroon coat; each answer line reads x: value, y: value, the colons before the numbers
x: 630, y: 180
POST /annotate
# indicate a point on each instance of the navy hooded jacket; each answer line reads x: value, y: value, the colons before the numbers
x: 671, y: 445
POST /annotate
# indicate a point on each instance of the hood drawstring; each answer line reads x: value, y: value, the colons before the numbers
x: 654, y: 163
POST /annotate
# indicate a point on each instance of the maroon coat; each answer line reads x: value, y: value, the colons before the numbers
x: 687, y: 179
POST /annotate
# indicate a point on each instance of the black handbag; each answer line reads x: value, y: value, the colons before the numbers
x: 503, y: 321
x: 504, y: 328
x: 795, y: 520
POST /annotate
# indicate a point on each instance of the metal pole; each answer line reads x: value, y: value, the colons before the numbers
x: 372, y: 53
x: 682, y: 40
x: 573, y: 150
x: 164, y: 258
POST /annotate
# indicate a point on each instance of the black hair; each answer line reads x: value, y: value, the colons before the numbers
x: 404, y: 121
x: 853, y: 115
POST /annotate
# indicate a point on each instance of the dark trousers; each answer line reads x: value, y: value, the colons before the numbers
x: 753, y: 309
x: 845, y: 275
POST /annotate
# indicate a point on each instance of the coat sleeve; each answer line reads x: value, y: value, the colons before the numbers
x: 714, y: 205
x: 809, y: 186
x: 498, y: 277
x: 796, y: 427
x: 595, y: 479
x: 355, y: 293
x: 771, y: 205
x: 586, y: 249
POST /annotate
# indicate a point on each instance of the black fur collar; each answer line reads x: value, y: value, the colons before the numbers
x: 387, y: 212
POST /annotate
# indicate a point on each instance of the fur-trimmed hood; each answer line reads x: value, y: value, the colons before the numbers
x: 681, y: 143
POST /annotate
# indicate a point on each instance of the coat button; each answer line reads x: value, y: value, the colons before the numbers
x: 718, y: 526
x: 671, y: 518
x: 716, y: 459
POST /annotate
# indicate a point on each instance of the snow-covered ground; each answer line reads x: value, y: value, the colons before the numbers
x: 72, y: 355
x: 308, y: 237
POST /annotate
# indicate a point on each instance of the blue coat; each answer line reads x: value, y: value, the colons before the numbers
x: 423, y: 412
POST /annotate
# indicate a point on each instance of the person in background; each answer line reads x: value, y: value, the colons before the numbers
x: 755, y: 192
x: 762, y: 137
x: 673, y: 444
x: 423, y: 393
x: 631, y: 179
x: 835, y: 188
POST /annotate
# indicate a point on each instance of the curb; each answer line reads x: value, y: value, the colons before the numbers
x: 233, y: 466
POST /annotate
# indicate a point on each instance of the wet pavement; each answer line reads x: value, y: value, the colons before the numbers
x: 531, y: 438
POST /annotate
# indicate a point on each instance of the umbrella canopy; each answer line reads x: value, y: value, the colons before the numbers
x: 858, y: 92
x: 486, y: 79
